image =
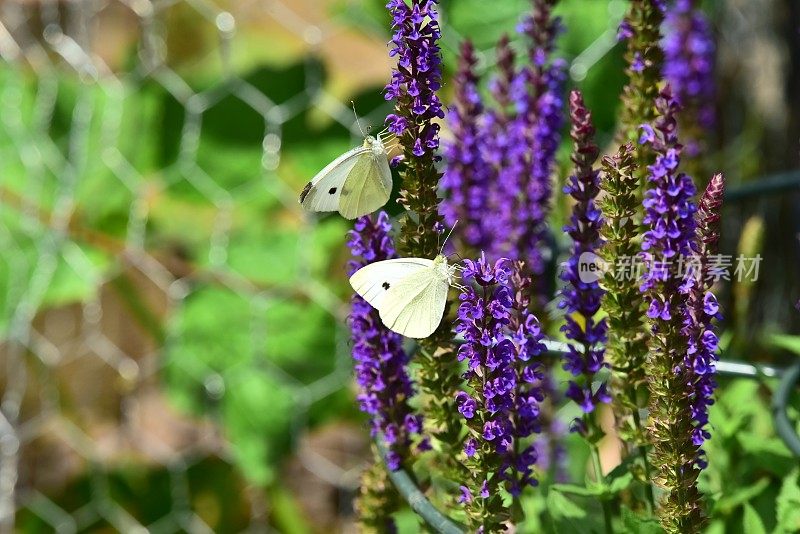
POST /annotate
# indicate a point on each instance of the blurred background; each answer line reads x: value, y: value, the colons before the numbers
x: 173, y: 354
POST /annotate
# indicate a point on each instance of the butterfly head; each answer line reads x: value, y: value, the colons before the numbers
x: 444, y: 269
x: 375, y: 144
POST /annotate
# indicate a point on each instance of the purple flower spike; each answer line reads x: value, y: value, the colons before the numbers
x: 501, y: 410
x: 669, y: 209
x: 689, y: 51
x: 703, y: 309
x: 541, y: 104
x: 466, y: 182
x: 384, y: 384
x: 676, y: 367
x: 418, y: 74
x: 582, y: 294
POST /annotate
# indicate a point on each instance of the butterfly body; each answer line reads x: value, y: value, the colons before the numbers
x: 356, y: 183
x: 409, y: 293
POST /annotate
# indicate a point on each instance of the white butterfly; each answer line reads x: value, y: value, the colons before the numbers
x: 356, y: 183
x: 409, y: 293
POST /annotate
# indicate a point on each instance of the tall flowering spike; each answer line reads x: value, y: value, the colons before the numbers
x: 582, y: 294
x: 501, y: 403
x: 413, y: 86
x: 384, y: 384
x: 667, y: 246
x: 377, y: 500
x: 703, y: 309
x: 708, y: 216
x: 466, y: 180
x: 640, y: 29
x: 540, y: 103
x: 505, y: 150
x: 626, y: 348
x: 415, y: 81
x: 689, y: 69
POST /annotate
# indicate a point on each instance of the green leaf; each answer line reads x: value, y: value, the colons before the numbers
x: 619, y: 482
x: 784, y: 341
x: 636, y: 524
x: 728, y: 503
x: 788, y: 504
x: 716, y: 527
x: 566, y: 515
x: 752, y: 523
x: 767, y: 453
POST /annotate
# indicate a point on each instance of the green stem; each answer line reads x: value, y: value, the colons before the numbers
x: 648, y: 487
x: 598, y: 475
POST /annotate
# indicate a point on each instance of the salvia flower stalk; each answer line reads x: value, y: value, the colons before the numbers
x: 640, y: 29
x: 385, y: 386
x: 702, y: 311
x: 501, y: 403
x: 581, y: 296
x: 377, y: 500
x: 622, y: 303
x: 505, y: 149
x: 667, y: 245
x: 415, y: 81
x: 689, y: 69
x: 465, y: 183
x: 540, y: 103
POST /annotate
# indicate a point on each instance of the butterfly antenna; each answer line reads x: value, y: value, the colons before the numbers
x: 358, y: 122
x: 448, y: 236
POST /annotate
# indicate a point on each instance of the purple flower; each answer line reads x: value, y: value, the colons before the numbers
x: 417, y: 76
x: 540, y: 101
x: 581, y: 295
x: 522, y: 137
x: 669, y: 209
x: 465, y: 182
x: 703, y: 309
x: 505, y: 150
x: 625, y: 30
x: 380, y: 361
x: 470, y: 447
x: 676, y: 409
x: 689, y: 61
x: 502, y: 344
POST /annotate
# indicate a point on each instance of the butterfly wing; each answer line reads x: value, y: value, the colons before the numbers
x: 367, y: 187
x: 323, y: 192
x: 373, y: 281
x: 414, y: 306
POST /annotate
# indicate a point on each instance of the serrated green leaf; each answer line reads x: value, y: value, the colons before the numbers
x: 752, y: 523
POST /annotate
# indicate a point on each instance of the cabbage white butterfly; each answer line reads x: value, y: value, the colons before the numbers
x: 409, y: 293
x: 356, y: 183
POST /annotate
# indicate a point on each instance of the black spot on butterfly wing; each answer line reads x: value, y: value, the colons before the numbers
x: 385, y: 285
x: 332, y: 190
x: 305, y: 192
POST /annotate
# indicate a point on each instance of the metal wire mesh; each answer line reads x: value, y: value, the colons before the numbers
x: 112, y: 245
